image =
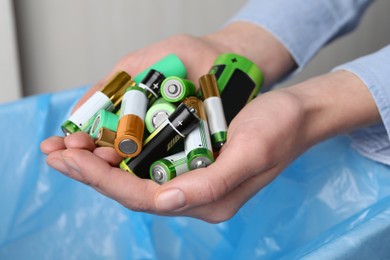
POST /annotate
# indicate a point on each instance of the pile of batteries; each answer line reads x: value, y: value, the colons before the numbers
x: 185, y: 128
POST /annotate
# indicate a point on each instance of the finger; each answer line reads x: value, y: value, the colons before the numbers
x: 51, y: 144
x: 80, y: 140
x: 226, y: 207
x: 204, y: 186
x: 55, y: 161
x: 129, y: 190
x: 109, y: 155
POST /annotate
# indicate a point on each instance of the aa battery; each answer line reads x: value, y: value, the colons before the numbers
x: 158, y: 113
x: 152, y: 83
x: 239, y: 81
x: 175, y: 89
x: 197, y: 145
x: 214, y: 110
x: 130, y: 132
x: 108, y: 98
x: 129, y: 138
x: 166, y: 169
x: 178, y: 125
x: 105, y: 137
x: 104, y: 119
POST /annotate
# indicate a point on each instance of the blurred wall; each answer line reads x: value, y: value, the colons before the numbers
x: 10, y: 87
x: 64, y: 44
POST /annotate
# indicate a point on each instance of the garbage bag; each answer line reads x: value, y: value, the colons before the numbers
x: 330, y: 203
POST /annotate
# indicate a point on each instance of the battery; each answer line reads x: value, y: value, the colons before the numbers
x: 105, y: 137
x: 152, y: 83
x: 175, y: 89
x: 104, y: 119
x: 239, y: 81
x: 130, y: 131
x: 214, y: 110
x: 157, y: 113
x: 108, y: 98
x: 169, y: 65
x: 178, y: 125
x: 166, y: 169
x: 197, y: 145
x: 131, y: 126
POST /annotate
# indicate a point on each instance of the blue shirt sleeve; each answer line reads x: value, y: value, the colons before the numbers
x: 374, y: 71
x: 304, y: 26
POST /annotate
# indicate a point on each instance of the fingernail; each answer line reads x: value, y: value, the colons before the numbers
x: 170, y: 200
x: 70, y: 163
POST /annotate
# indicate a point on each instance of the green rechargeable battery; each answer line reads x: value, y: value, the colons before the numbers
x: 110, y: 95
x: 175, y: 89
x: 166, y: 169
x: 104, y: 119
x: 157, y: 113
x: 239, y: 81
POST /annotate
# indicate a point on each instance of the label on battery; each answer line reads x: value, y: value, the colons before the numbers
x: 180, y: 166
x: 198, y: 138
x: 215, y: 114
x: 92, y: 106
x: 179, y: 162
x: 134, y: 102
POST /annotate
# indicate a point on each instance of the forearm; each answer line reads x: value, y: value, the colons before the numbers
x: 335, y: 103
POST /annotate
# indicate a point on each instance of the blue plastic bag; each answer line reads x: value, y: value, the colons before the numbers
x: 331, y: 203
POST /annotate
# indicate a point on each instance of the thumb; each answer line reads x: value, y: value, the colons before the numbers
x: 207, y: 185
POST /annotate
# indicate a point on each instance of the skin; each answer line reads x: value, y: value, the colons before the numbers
x: 268, y: 134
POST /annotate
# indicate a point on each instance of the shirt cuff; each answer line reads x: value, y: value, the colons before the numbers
x: 374, y: 71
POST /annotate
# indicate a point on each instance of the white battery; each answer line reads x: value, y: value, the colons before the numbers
x: 89, y: 109
x: 134, y: 102
x: 215, y: 115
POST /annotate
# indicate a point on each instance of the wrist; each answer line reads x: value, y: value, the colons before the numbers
x: 256, y: 44
x: 335, y: 103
